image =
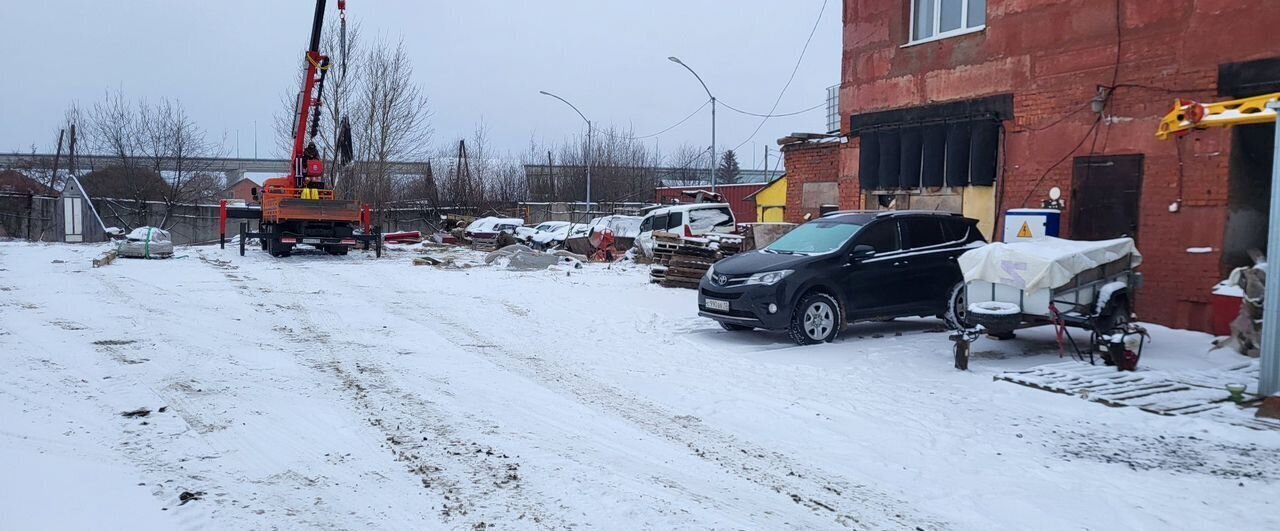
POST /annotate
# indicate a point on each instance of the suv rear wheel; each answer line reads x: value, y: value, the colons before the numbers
x: 816, y: 319
x: 957, y: 315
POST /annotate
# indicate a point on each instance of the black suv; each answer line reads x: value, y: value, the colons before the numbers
x: 842, y: 268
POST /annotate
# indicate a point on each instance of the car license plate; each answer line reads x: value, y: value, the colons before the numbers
x: 720, y: 306
x: 311, y: 241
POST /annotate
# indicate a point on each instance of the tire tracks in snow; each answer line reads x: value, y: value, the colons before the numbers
x: 479, y: 484
x: 849, y: 505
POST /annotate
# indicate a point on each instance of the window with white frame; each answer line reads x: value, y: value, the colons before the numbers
x: 937, y: 19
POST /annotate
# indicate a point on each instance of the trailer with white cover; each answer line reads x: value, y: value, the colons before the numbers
x: 1062, y: 283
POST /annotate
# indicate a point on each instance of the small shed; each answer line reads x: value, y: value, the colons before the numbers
x: 771, y: 201
x: 77, y: 217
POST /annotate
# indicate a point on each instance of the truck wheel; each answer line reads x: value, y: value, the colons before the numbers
x: 735, y: 328
x: 957, y: 316
x: 816, y: 319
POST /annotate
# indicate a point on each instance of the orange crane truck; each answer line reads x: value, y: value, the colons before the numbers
x: 301, y: 208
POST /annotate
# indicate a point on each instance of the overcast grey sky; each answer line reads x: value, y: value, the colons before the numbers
x: 229, y: 61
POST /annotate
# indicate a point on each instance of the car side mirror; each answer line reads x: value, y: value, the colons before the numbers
x: 861, y: 252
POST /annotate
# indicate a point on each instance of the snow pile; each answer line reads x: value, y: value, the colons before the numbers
x: 521, y: 258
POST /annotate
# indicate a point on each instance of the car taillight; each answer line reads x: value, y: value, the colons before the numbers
x: 688, y: 232
x: 348, y: 242
x: 288, y: 240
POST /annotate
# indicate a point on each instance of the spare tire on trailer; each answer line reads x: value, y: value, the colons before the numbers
x: 998, y: 318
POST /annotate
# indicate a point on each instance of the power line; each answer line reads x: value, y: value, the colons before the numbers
x: 782, y: 115
x: 1093, y: 130
x: 677, y: 124
x: 799, y: 60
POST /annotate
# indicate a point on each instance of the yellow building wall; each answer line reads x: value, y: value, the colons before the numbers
x: 980, y: 204
x: 771, y: 203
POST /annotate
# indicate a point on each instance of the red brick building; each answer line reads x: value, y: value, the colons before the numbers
x: 979, y: 106
x: 242, y: 190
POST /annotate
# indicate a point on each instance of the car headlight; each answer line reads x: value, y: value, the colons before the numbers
x: 768, y: 279
x: 711, y: 271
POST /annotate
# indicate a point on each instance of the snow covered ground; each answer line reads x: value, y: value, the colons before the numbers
x: 347, y: 393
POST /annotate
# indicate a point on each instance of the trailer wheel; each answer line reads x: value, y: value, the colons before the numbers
x: 1115, y: 315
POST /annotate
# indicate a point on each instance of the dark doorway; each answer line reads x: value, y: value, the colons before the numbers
x: 1106, y: 197
x: 1249, y: 193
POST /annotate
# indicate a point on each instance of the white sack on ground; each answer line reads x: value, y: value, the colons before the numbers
x: 146, y: 242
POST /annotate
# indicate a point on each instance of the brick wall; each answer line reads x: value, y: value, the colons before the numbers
x: 1052, y: 55
x: 810, y: 162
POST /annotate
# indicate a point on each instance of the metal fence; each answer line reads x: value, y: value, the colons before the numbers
x: 29, y: 217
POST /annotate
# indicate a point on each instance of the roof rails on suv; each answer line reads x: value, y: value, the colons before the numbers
x: 896, y: 213
x: 892, y: 213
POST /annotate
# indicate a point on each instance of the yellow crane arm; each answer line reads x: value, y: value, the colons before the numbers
x: 1188, y: 115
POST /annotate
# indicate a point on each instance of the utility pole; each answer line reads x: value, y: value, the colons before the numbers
x: 587, y: 158
x: 677, y: 60
x: 1269, y: 377
x: 550, y: 189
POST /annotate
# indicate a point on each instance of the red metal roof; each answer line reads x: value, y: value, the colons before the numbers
x: 737, y: 195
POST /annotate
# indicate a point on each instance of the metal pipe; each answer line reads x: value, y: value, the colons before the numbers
x: 1269, y: 377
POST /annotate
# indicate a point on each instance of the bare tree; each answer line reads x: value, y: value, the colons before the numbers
x: 114, y: 130
x: 175, y: 147
x: 689, y: 164
x: 391, y: 120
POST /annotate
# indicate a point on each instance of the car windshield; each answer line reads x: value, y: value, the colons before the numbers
x: 816, y: 237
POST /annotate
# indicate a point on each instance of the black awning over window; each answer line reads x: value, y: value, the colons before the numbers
x: 954, y: 154
x: 910, y: 159
x: 999, y: 108
x: 933, y: 162
x: 890, y: 159
x: 948, y: 144
x: 869, y: 161
x: 984, y: 149
x: 958, y: 140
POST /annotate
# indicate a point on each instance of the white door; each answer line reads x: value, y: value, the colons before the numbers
x: 73, y: 219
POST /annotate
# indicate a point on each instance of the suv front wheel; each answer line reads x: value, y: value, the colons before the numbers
x: 816, y: 319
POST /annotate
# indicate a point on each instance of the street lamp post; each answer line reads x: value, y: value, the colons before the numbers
x: 677, y: 60
x: 587, y: 158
